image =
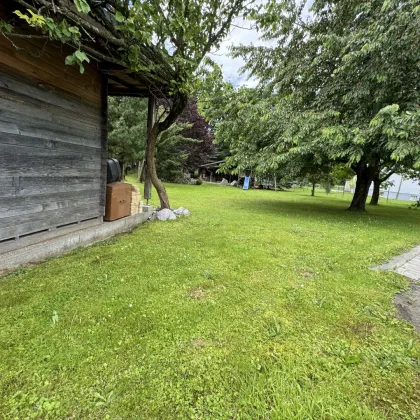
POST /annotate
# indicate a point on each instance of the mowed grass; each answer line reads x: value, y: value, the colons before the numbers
x: 261, y: 305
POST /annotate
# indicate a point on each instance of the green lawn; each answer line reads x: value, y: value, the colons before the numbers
x: 260, y: 305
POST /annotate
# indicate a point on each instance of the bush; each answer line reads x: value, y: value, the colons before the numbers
x: 182, y: 178
x: 416, y: 205
x: 199, y: 181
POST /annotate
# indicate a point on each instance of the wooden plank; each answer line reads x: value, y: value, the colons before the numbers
x: 7, y: 204
x: 71, y: 153
x: 47, y: 185
x: 35, y: 190
x: 11, y: 212
x: 27, y: 86
x: 7, y: 190
x: 48, y: 219
x: 18, y: 106
x: 35, y: 181
x: 35, y: 102
x: 44, y: 77
x: 50, y: 145
x: 7, y: 181
x: 47, y: 166
x: 53, y: 172
x: 55, y: 53
x: 33, y: 122
x: 17, y: 127
x: 8, y: 222
x: 30, y: 63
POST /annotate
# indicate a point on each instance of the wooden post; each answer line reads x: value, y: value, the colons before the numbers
x: 140, y: 170
x: 151, y: 115
x: 399, y: 188
x: 104, y: 140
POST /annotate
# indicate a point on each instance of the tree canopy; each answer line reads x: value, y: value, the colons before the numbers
x: 339, y: 86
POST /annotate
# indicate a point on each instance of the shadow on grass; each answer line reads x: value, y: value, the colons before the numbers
x: 331, y: 210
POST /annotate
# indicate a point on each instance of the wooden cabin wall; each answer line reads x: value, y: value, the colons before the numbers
x: 52, y: 140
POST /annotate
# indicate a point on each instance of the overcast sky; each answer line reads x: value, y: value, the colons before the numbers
x: 239, y: 36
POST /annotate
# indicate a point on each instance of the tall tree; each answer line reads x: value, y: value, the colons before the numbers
x: 351, y: 72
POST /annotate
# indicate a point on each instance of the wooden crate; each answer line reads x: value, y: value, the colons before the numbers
x: 118, y: 201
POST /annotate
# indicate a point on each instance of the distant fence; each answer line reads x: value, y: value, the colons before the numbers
x: 385, y: 194
x: 392, y: 195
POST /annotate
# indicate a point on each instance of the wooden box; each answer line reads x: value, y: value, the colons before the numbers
x: 118, y: 201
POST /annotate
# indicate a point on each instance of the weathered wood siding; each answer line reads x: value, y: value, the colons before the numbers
x: 52, y: 140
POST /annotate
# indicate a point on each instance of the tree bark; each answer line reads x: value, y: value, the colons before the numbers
x: 179, y: 102
x: 151, y: 168
x: 313, y: 190
x: 365, y: 176
x: 376, y: 191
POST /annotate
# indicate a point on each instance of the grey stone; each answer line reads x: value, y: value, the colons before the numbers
x: 224, y: 182
x: 407, y: 264
x: 234, y: 183
x: 407, y: 303
x: 165, y: 214
x: 182, y: 212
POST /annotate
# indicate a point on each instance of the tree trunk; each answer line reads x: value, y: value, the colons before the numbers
x: 365, y: 175
x: 179, y: 102
x: 313, y: 190
x: 376, y: 191
x: 151, y: 168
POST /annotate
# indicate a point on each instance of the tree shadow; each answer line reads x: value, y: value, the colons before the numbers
x: 330, y: 211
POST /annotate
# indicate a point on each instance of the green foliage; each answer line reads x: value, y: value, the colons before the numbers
x: 61, y: 31
x: 127, y: 128
x: 5, y: 27
x: 254, y: 309
x: 170, y: 157
x: 341, y: 173
x: 82, y: 6
x: 78, y: 57
x: 127, y: 137
x: 340, y: 86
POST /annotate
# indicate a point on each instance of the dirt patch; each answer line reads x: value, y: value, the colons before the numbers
x: 362, y: 329
x: 307, y: 274
x: 408, y: 305
x: 198, y: 343
x: 197, y: 293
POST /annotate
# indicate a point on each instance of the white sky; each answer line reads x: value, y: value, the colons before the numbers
x: 237, y: 36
